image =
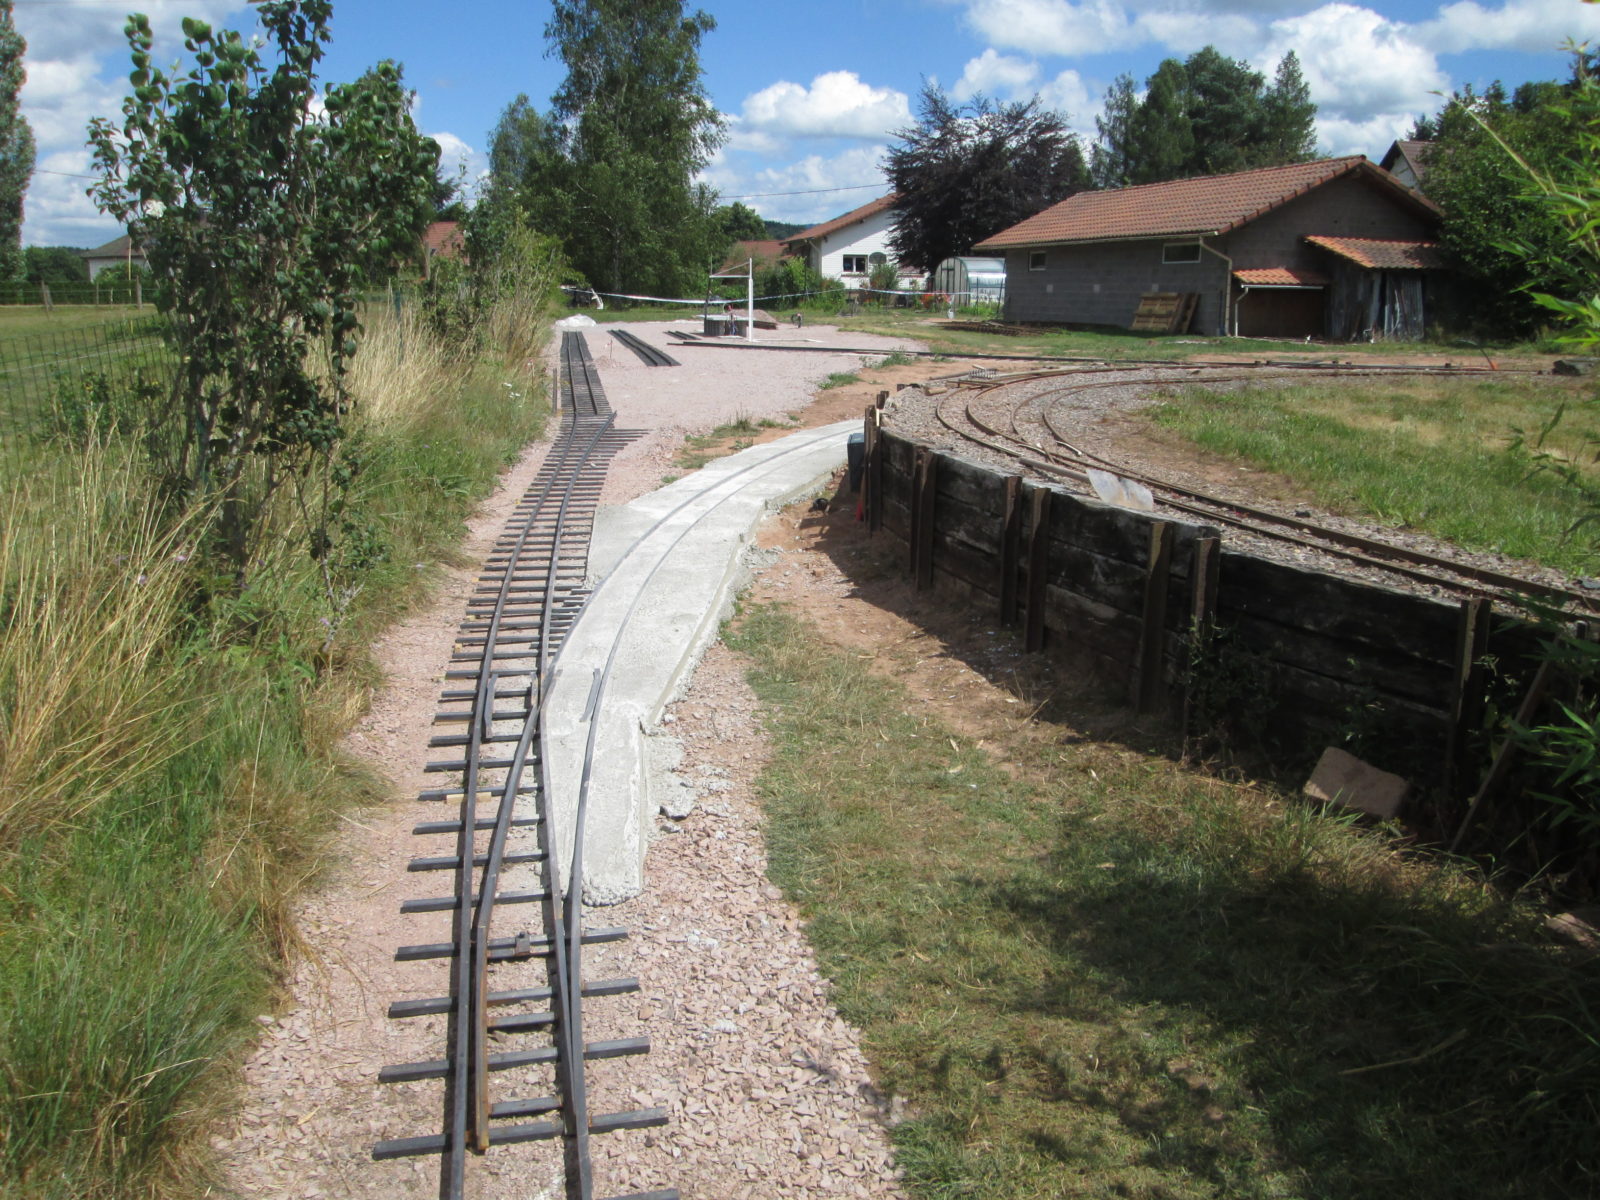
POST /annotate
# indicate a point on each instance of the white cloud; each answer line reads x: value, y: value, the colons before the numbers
x: 458, y: 158
x: 995, y: 74
x: 837, y: 104
x: 855, y: 166
x: 1536, y: 26
x: 1358, y: 64
x: 1054, y: 26
x: 1068, y: 93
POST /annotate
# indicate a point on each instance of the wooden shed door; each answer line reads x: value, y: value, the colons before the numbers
x: 1281, y: 313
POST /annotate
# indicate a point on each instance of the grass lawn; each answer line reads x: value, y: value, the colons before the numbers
x: 19, y: 321
x: 1093, y: 974
x: 1436, y: 454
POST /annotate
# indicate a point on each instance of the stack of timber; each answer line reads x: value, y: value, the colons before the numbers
x: 1165, y: 312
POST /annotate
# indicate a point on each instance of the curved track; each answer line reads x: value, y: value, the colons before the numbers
x: 1030, y: 429
x: 518, y: 618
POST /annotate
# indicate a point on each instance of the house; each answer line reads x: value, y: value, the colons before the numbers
x: 1407, y: 161
x: 849, y: 246
x: 118, y: 253
x: 1336, y: 248
x: 442, y: 239
x: 764, y: 254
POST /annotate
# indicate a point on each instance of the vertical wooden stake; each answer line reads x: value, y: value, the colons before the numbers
x: 1466, y: 708
x: 924, y: 478
x: 1038, y: 550
x: 1153, y: 627
x: 875, y: 475
x: 1010, y: 548
x: 1203, y: 579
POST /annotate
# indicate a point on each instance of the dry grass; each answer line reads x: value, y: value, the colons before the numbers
x: 92, y: 587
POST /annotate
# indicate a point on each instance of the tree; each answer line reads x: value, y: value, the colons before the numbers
x: 260, y: 221
x: 54, y: 264
x: 630, y: 126
x: 1289, y: 116
x: 1206, y: 115
x: 1502, y: 243
x: 739, y: 223
x: 16, y: 145
x: 965, y: 172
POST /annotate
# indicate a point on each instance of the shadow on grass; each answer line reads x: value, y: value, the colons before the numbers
x: 1396, y: 1040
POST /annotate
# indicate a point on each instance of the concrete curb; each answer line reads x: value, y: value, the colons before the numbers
x: 669, y: 565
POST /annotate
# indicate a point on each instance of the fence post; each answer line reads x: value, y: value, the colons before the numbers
x: 1153, y: 626
x: 1038, y: 550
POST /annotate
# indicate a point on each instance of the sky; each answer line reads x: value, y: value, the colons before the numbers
x: 813, y: 92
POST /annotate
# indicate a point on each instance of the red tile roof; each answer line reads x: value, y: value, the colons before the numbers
x: 1211, y: 204
x: 764, y: 253
x: 444, y: 239
x: 855, y: 215
x: 1381, y: 254
x: 1280, y: 277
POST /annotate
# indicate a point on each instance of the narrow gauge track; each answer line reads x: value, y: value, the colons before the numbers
x: 1060, y: 456
x: 650, y: 355
x: 518, y: 616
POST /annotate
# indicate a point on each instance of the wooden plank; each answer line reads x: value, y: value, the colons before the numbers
x: 1010, y: 548
x: 1038, y: 554
x: 1507, y: 754
x: 1466, y: 709
x: 875, y: 482
x: 1153, y: 620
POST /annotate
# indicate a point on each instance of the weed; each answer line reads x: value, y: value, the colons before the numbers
x: 839, y: 379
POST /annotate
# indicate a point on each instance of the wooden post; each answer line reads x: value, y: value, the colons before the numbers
x: 1203, y: 580
x: 1466, y: 708
x: 1010, y: 549
x: 1153, y: 626
x: 1507, y: 754
x: 1038, y: 549
x: 875, y: 476
x: 919, y: 546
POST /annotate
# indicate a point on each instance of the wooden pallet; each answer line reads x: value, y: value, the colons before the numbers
x: 1165, y: 312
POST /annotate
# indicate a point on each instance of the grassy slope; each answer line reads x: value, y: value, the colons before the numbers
x: 144, y: 890
x: 1124, y: 980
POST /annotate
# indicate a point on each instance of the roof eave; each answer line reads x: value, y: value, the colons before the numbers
x: 1165, y: 235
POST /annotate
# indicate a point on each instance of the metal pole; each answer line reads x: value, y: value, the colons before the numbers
x: 750, y: 300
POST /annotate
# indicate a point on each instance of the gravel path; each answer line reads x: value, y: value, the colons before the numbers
x: 768, y: 1091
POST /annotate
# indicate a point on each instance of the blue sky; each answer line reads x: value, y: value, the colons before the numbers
x: 813, y: 91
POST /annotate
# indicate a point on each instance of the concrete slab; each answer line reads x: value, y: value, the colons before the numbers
x: 1342, y: 778
x: 669, y: 565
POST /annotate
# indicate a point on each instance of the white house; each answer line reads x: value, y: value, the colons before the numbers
x: 116, y: 253
x: 848, y: 247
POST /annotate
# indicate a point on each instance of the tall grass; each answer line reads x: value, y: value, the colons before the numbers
x: 169, y: 763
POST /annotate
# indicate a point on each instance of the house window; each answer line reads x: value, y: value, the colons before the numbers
x: 1180, y: 252
x: 1036, y: 259
x: 855, y: 264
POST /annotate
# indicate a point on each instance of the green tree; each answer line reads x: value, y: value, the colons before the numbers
x: 16, y: 145
x: 1206, y: 115
x: 740, y: 223
x: 965, y: 172
x: 1503, y: 243
x: 54, y: 264
x: 629, y: 128
x: 1288, y: 116
x: 261, y: 221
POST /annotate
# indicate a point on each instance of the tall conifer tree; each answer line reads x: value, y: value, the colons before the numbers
x: 16, y: 145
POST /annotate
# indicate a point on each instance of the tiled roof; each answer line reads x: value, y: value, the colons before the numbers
x: 116, y: 248
x: 763, y: 252
x: 1415, y: 153
x: 1211, y: 204
x: 1281, y: 277
x: 855, y: 215
x: 1382, y: 254
x: 444, y: 238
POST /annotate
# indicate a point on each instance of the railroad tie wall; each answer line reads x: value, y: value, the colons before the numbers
x: 1165, y: 613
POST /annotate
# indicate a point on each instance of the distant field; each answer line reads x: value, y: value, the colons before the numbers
x: 22, y: 322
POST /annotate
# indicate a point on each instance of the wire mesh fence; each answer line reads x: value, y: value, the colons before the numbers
x: 103, y: 291
x: 62, y: 386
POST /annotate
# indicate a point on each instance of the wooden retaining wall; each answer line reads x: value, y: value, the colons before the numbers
x: 1164, y: 612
